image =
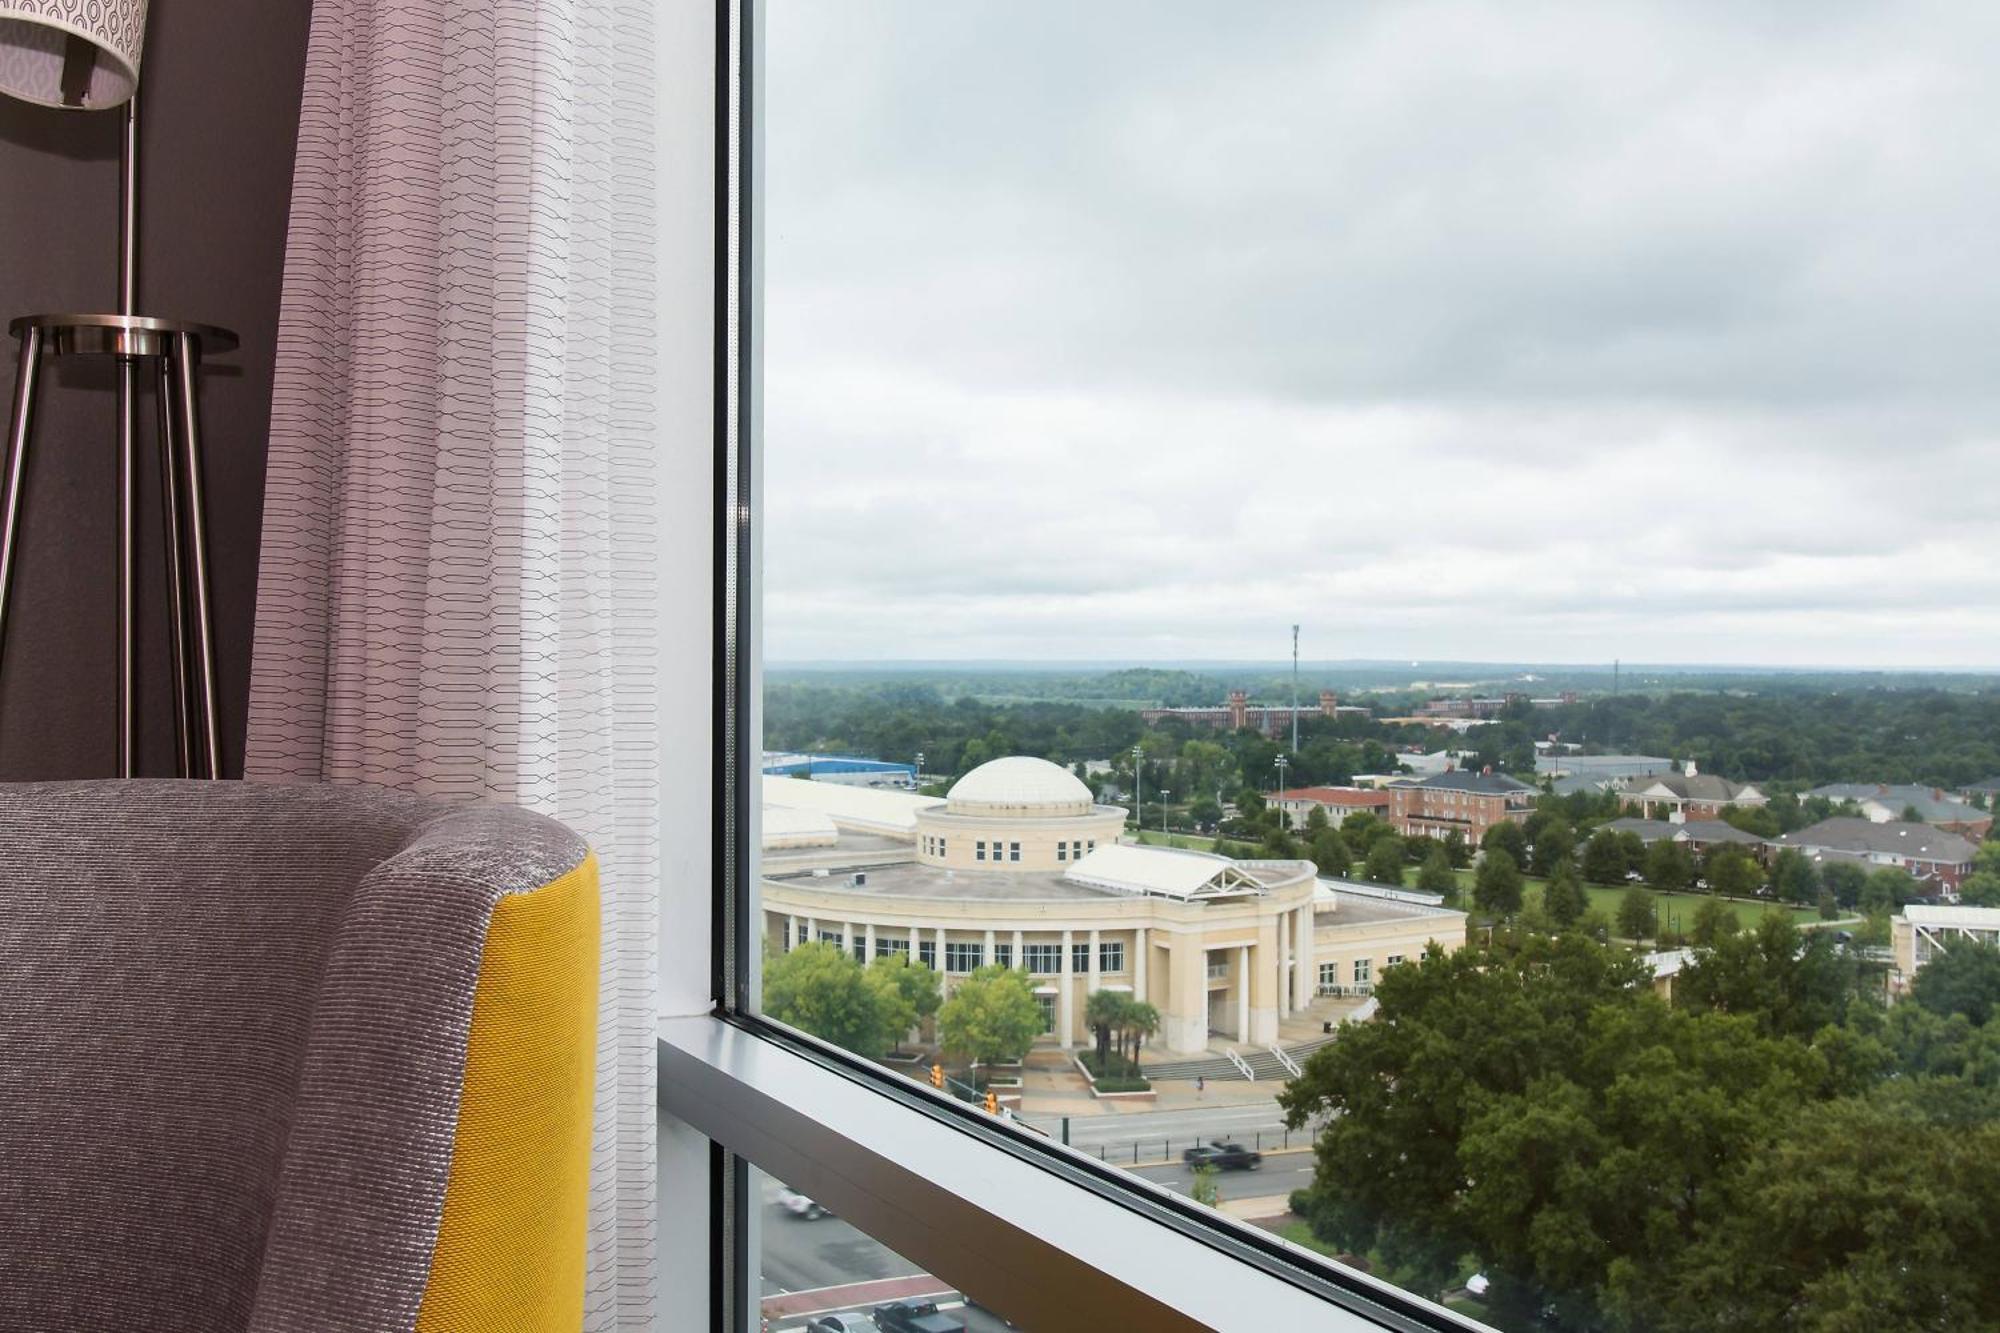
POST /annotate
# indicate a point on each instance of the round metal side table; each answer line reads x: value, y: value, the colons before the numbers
x: 175, y: 348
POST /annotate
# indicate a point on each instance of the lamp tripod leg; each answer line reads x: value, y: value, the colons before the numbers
x: 187, y: 355
x: 170, y: 527
x: 15, y: 479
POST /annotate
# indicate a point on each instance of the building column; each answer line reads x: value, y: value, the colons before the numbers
x: 1243, y: 993
x: 1064, y: 995
x: 812, y: 928
x: 942, y: 970
x: 792, y: 938
x: 1284, y: 957
x: 868, y: 944
x: 916, y: 938
x: 1306, y: 980
x: 847, y: 938
x: 1094, y: 972
x: 986, y: 958
x: 1139, y: 948
x: 1184, y: 1015
x: 1020, y: 962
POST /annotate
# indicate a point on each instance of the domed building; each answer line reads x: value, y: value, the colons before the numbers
x: 1019, y: 866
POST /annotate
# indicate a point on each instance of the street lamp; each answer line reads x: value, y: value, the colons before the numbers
x: 1164, y: 794
x: 1139, y: 787
x: 1282, y: 763
x: 918, y: 776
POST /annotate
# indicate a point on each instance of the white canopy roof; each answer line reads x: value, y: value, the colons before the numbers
x: 1159, y: 872
x: 1962, y: 918
x: 866, y: 809
x: 1019, y: 784
x: 783, y: 827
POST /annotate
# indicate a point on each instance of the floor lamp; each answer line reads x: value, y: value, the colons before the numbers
x: 84, y: 55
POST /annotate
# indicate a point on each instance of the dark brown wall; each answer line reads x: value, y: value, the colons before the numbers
x: 219, y: 106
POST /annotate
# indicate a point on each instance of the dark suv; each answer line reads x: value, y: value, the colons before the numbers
x: 911, y: 1317
x: 1223, y: 1157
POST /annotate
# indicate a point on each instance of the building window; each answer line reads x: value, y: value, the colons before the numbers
x: 1093, y: 844
x: 1062, y: 851
x: 1364, y: 971
x: 830, y: 937
x: 1042, y: 959
x: 927, y: 954
x: 1079, y: 958
x: 979, y: 851
x: 941, y: 842
x: 859, y: 946
x: 1013, y: 851
x: 1395, y: 959
x: 885, y: 945
x: 1003, y: 955
x: 1111, y: 956
x: 1048, y: 1007
x: 961, y: 958
x: 1329, y: 976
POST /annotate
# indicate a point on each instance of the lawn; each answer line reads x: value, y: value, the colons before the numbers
x: 1605, y: 899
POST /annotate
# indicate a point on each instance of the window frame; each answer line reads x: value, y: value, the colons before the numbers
x: 1041, y: 1233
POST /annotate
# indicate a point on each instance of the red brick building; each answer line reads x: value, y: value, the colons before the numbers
x: 1298, y: 803
x: 1469, y: 803
x: 1274, y: 720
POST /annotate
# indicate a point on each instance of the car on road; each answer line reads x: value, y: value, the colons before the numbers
x: 916, y: 1317
x: 852, y: 1322
x: 798, y: 1205
x: 1223, y: 1156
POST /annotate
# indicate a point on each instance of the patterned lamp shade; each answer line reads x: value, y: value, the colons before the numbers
x: 71, y: 53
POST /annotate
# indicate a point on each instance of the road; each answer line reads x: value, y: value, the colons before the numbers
x: 1152, y: 1136
x: 1281, y: 1174
x: 806, y: 1256
x: 802, y: 1256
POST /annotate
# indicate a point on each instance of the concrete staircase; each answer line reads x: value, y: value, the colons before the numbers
x: 1218, y: 1068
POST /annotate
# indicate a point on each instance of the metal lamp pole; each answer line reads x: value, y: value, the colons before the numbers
x: 1164, y: 794
x: 1138, y: 787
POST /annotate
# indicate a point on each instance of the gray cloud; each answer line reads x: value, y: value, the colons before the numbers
x: 1523, y: 330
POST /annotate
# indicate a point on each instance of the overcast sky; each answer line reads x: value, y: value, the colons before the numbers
x: 1553, y: 332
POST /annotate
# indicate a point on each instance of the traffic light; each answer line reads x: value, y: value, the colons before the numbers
x: 992, y: 1103
x: 937, y: 1076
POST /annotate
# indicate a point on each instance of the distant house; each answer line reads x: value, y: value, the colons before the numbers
x: 1687, y: 795
x: 1986, y: 790
x: 1882, y: 802
x: 1469, y: 803
x: 1239, y: 714
x: 1937, y: 860
x: 1298, y: 803
x: 1698, y: 835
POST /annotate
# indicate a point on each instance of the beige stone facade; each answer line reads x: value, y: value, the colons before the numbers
x: 1223, y: 949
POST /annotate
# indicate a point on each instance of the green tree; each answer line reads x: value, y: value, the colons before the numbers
x: 1455, y: 848
x: 1204, y: 811
x: 1638, y: 918
x: 1713, y: 919
x: 1436, y: 874
x: 1330, y: 854
x: 1202, y: 1189
x: 1316, y: 819
x: 1604, y: 858
x: 1829, y: 909
x: 1105, y: 1013
x: 1965, y: 979
x: 991, y: 1018
x: 1385, y: 862
x: 1981, y: 889
x: 1507, y: 836
x: 1731, y: 871
x: 1564, y: 898
x: 909, y: 993
x: 1793, y: 983
x: 819, y: 988
x: 1669, y: 868
x: 1497, y: 884
x: 1845, y: 879
x: 1793, y: 877
x: 1554, y: 846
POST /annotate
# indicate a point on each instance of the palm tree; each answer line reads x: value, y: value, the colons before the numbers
x: 1106, y: 1012
x: 1142, y: 1020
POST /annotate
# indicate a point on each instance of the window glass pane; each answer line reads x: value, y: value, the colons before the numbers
x: 816, y: 1272
x: 1424, y: 569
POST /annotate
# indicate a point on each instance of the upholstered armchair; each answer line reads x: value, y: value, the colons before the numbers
x: 291, y: 1058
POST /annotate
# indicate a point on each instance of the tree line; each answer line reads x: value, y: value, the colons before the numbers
x: 1771, y: 1149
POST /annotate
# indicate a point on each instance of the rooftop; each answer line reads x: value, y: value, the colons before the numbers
x: 1933, y: 806
x: 1686, y: 786
x: 1332, y: 795
x: 870, y: 809
x: 1894, y: 837
x: 1969, y: 918
x: 1490, y: 784
x: 1019, y: 784
x: 909, y: 879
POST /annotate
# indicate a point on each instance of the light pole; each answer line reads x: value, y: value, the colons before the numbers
x: 1139, y: 787
x: 1164, y: 794
x: 920, y: 770
x: 1282, y: 763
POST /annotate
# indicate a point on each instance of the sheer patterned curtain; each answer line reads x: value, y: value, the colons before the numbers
x: 457, y: 593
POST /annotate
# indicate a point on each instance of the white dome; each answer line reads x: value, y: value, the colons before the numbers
x: 1022, y: 785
